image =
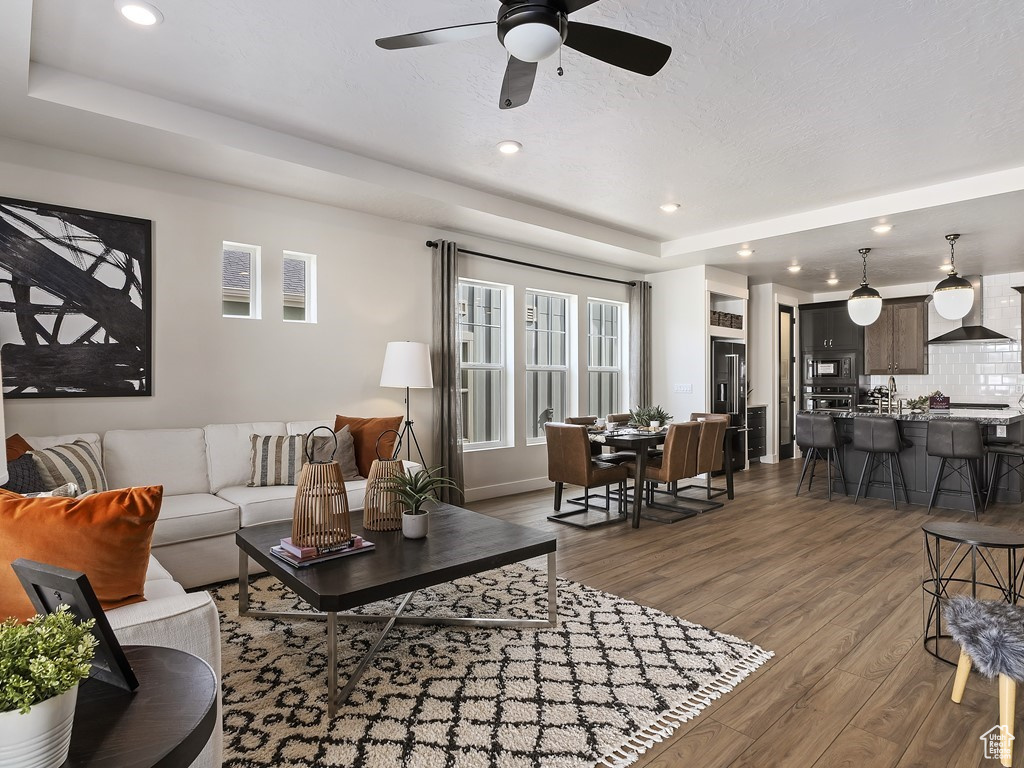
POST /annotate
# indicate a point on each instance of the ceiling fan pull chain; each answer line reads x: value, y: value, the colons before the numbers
x: 560, y: 71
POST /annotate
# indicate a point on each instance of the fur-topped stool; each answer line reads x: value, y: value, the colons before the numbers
x: 991, y: 639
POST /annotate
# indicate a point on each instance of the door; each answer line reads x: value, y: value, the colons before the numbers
x: 909, y: 354
x: 786, y: 362
x: 878, y: 344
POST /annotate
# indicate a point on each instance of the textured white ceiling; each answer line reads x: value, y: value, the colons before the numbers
x: 767, y: 108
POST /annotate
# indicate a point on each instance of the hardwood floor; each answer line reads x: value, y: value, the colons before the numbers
x: 834, y: 589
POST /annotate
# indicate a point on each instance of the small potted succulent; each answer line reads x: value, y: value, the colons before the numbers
x: 644, y: 415
x: 41, y: 663
x: 413, y: 490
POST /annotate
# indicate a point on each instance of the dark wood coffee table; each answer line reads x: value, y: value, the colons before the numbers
x: 460, y: 543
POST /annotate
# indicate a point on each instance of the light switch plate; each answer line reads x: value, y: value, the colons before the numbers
x: 1000, y: 430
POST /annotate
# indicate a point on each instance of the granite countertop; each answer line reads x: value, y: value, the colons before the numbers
x: 1005, y: 416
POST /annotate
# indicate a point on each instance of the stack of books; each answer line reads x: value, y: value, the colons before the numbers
x: 302, y: 556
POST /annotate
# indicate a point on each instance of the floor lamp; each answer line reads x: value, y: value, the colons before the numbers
x: 407, y: 365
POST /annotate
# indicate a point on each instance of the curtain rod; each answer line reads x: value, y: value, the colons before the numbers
x: 630, y: 283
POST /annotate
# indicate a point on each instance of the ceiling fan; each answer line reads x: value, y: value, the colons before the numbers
x: 533, y: 30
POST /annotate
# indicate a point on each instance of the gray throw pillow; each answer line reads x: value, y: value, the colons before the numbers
x: 345, y: 454
x: 24, y: 477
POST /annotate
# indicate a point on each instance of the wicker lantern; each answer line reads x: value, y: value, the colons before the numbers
x: 321, y: 516
x: 382, y: 510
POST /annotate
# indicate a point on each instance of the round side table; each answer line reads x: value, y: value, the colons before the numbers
x: 966, y: 558
x: 165, y: 723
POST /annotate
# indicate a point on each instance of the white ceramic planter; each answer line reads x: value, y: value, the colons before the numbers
x: 40, y: 738
x: 414, y: 526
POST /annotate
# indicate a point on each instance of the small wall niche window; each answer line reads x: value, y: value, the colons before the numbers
x: 298, y: 281
x: 605, y: 357
x: 482, y: 334
x: 240, y: 280
x: 547, y: 361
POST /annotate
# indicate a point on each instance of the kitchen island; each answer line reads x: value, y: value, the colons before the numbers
x: 918, y: 467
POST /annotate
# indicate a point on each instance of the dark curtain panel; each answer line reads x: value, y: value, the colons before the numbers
x: 446, y: 355
x: 640, y: 343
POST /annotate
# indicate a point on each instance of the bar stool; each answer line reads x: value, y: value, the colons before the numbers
x: 816, y: 432
x: 956, y: 440
x: 880, y: 439
x: 999, y: 452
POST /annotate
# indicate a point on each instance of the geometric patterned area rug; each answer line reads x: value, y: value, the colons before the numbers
x: 611, y: 680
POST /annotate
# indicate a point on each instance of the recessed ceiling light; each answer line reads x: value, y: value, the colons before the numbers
x: 833, y: 281
x: 946, y: 267
x: 670, y: 207
x: 794, y: 268
x: 509, y: 147
x: 140, y: 12
x: 882, y: 229
x: 744, y: 252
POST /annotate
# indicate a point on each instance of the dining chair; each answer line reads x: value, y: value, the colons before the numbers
x: 677, y: 462
x: 710, y: 455
x: 570, y: 461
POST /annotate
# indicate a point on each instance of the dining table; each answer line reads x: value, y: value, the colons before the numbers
x: 641, y: 441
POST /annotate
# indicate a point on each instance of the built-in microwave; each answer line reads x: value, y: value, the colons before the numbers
x: 817, y: 368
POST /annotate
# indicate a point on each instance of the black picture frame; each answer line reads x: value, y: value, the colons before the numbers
x: 49, y: 586
x: 76, y: 315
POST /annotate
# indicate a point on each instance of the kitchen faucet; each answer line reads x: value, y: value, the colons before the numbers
x: 892, y: 391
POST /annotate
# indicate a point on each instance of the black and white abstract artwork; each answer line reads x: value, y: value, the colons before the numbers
x: 75, y: 317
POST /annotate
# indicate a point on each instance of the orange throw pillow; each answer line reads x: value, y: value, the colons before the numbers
x: 365, y: 433
x: 17, y: 447
x: 104, y: 535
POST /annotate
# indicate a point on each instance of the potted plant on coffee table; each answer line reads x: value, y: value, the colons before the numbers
x: 41, y: 663
x: 413, y: 490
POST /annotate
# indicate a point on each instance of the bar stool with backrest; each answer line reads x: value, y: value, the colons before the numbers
x: 816, y: 432
x: 570, y: 461
x: 999, y: 453
x: 956, y: 440
x: 710, y: 454
x: 677, y: 462
x: 879, y: 437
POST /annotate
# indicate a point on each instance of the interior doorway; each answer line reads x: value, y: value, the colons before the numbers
x: 786, y: 393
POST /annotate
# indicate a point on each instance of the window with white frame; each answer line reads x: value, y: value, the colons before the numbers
x: 240, y: 280
x: 298, y: 281
x: 547, y: 360
x: 606, y: 321
x: 483, y: 339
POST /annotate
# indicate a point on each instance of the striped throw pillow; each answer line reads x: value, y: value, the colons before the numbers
x: 277, y: 459
x: 71, y: 463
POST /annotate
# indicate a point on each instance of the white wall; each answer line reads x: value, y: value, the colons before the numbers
x: 679, y: 349
x: 981, y: 372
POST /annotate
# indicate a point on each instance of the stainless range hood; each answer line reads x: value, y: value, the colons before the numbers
x: 971, y: 328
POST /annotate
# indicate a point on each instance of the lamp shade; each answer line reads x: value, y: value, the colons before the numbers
x: 953, y: 297
x: 864, y: 305
x: 407, y: 364
x: 532, y: 42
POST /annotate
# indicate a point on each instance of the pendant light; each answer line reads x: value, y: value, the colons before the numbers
x: 865, y: 304
x: 954, y: 296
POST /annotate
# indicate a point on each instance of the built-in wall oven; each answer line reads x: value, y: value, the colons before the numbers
x: 825, y: 398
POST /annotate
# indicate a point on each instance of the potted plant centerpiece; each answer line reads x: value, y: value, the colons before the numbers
x: 413, y: 490
x: 41, y: 664
x: 644, y: 415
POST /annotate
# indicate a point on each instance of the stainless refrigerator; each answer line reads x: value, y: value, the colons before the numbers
x: 729, y: 393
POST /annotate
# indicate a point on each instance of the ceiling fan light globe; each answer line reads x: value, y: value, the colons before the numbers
x: 864, y: 305
x: 953, y: 297
x: 532, y: 42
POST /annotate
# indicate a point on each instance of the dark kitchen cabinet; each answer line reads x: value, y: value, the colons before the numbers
x: 828, y: 326
x: 897, y: 343
x: 757, y: 436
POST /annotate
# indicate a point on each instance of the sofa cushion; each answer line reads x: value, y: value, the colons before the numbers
x: 49, y: 441
x: 106, y: 536
x: 77, y: 462
x: 228, y: 447
x: 156, y: 572
x: 261, y: 504
x: 175, y: 458
x: 305, y: 427
x: 191, y: 516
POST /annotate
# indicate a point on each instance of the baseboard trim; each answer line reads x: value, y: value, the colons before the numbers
x: 507, y: 489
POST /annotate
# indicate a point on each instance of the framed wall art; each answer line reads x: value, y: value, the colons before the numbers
x: 75, y: 302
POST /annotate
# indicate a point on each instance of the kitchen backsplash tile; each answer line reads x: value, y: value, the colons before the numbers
x: 988, y: 372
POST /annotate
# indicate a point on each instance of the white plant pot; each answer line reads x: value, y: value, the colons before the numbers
x: 414, y: 526
x: 41, y: 737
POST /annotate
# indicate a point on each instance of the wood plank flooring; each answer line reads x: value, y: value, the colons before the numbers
x: 833, y: 588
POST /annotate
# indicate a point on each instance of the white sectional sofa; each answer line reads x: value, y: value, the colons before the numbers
x: 206, y: 500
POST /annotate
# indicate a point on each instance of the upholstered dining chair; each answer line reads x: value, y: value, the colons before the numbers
x: 570, y: 461
x: 710, y: 454
x: 619, y: 456
x: 677, y: 462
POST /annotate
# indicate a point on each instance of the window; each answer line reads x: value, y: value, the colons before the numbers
x: 605, y: 357
x: 240, y: 280
x: 482, y: 336
x: 547, y: 360
x: 298, y: 281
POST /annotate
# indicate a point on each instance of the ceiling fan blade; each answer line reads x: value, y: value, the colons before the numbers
x: 432, y: 36
x: 518, y: 83
x: 571, y: 6
x: 620, y: 49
